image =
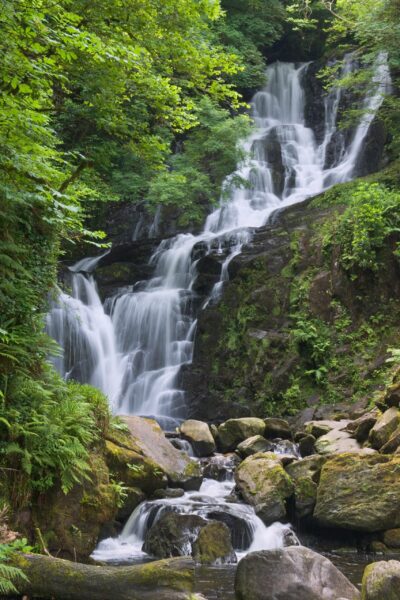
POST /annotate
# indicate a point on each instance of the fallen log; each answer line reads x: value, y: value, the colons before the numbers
x: 170, y: 579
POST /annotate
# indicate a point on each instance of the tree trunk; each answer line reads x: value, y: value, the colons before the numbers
x: 171, y: 579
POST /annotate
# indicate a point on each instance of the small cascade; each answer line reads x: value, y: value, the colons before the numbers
x: 212, y: 501
x: 134, y: 347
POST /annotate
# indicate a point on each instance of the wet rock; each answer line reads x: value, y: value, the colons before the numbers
x: 384, y: 428
x: 173, y: 535
x: 277, y: 428
x: 381, y: 581
x: 150, y: 439
x: 234, y: 431
x: 213, y: 545
x: 199, y: 435
x: 293, y: 573
x: 263, y: 483
x: 252, y: 445
x: 391, y: 538
x: 359, y: 492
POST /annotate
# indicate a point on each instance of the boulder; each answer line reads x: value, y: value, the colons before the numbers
x: 385, y: 426
x: 392, y: 395
x: 292, y: 573
x: 263, y: 483
x: 213, y: 545
x: 199, y: 435
x: 234, y: 431
x: 305, y: 476
x: 252, y: 445
x: 148, y: 436
x: 277, y: 428
x: 219, y: 465
x: 173, y: 534
x: 319, y: 428
x: 391, y: 538
x: 381, y: 581
x: 359, y: 492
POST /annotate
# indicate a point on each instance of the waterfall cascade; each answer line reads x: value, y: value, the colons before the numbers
x: 134, y: 345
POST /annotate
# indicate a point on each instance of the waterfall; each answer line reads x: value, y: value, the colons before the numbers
x: 134, y: 346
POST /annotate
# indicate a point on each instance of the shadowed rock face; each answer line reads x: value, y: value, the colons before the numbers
x: 293, y: 573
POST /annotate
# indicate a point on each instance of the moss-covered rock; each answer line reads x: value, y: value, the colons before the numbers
x: 134, y: 468
x: 305, y: 476
x: 381, y: 581
x: 214, y: 545
x: 277, y: 428
x: 234, y: 431
x: 263, y: 483
x: 359, y: 492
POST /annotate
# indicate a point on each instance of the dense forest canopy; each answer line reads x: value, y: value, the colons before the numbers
x: 140, y: 101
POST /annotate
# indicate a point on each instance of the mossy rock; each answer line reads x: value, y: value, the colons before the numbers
x: 391, y: 538
x: 381, y: 581
x: 134, y: 469
x: 360, y: 492
x: 234, y: 431
x: 214, y: 545
x: 263, y: 483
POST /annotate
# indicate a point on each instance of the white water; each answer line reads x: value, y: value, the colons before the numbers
x: 135, y: 348
x: 248, y: 531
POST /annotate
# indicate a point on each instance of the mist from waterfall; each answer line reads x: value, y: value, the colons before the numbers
x: 134, y: 346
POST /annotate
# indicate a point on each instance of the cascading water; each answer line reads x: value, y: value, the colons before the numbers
x: 212, y: 501
x: 134, y: 348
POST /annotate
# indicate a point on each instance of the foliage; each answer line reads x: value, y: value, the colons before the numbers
x: 371, y: 216
x: 47, y: 429
x: 11, y: 576
x: 199, y: 168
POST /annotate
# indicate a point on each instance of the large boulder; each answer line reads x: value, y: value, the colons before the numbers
x: 173, y: 534
x: 252, y: 445
x: 292, y: 573
x: 213, y: 545
x: 360, y: 428
x: 152, y: 443
x: 381, y: 581
x: 359, y: 492
x: 385, y: 426
x: 305, y: 476
x: 199, y: 435
x: 392, y: 444
x: 263, y: 483
x: 234, y: 431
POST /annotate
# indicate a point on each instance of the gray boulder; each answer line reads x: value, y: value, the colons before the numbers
x: 277, y: 428
x: 292, y: 573
x: 213, y: 545
x: 385, y: 426
x: 173, y: 535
